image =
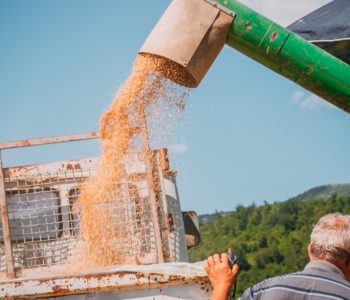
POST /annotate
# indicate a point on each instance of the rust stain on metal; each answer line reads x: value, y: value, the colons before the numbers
x: 164, y: 160
x: 342, y: 45
x: 69, y: 167
x: 139, y: 275
x: 122, y: 275
x: 24, y: 143
x: 273, y: 36
x: 21, y: 170
x: 176, y: 278
x: 18, y: 284
x: 60, y: 289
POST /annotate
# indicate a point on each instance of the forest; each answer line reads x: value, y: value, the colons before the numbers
x: 270, y: 239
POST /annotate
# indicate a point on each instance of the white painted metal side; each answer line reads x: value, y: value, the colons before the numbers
x: 159, y: 281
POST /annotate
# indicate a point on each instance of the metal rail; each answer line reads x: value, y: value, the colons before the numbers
x: 49, y: 140
x: 5, y: 225
x: 153, y: 197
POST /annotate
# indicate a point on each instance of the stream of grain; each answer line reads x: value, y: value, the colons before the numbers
x: 139, y: 115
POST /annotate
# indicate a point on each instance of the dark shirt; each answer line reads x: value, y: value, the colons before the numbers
x: 320, y: 280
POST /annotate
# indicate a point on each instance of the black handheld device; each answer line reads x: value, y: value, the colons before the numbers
x: 232, y: 259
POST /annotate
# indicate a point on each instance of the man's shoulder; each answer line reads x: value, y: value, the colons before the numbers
x: 267, y: 284
x: 298, y: 282
x: 280, y: 279
x: 301, y: 278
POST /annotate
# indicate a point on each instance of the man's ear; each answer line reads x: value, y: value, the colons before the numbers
x: 309, y: 252
x: 347, y: 262
x: 347, y: 268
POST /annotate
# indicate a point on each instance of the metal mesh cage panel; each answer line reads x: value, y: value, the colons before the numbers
x: 44, y: 215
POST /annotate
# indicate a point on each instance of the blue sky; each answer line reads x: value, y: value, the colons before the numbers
x: 249, y: 134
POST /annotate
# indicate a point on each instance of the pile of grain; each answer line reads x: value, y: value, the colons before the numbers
x: 147, y: 100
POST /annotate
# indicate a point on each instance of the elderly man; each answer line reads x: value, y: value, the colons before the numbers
x: 324, y: 277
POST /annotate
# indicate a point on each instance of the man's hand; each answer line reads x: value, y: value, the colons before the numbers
x: 220, y: 274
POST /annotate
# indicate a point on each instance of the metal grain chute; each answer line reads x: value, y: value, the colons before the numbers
x: 190, y: 33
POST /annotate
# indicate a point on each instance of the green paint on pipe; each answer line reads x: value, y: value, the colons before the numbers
x: 289, y: 55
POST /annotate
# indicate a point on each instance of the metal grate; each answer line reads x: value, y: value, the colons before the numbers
x: 44, y: 215
x: 40, y: 213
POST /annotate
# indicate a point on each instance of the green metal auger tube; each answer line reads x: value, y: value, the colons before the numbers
x: 289, y: 55
x: 193, y: 32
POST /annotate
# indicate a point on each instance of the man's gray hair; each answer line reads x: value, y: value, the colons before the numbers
x: 330, y: 238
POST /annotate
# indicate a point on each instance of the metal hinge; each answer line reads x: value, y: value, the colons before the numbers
x: 221, y: 7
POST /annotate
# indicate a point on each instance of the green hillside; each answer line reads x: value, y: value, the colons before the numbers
x: 325, y: 191
x: 270, y: 239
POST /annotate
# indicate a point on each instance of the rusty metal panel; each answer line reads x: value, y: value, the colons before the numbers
x: 116, y: 280
x: 63, y: 171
